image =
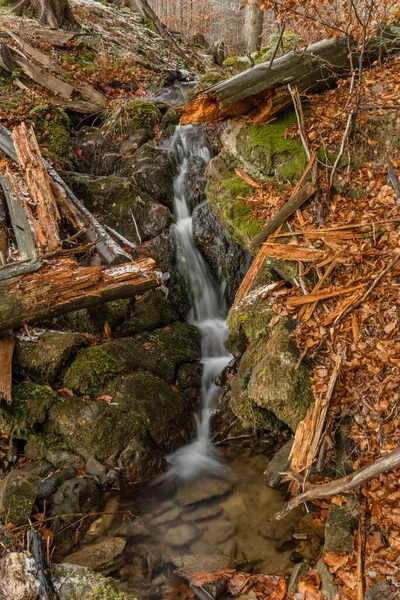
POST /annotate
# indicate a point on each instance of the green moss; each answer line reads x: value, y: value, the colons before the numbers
x: 129, y: 116
x: 289, y: 41
x: 150, y: 24
x: 93, y: 367
x: 29, y: 408
x: 251, y: 317
x: 205, y: 81
x: 5, y: 4
x: 52, y: 127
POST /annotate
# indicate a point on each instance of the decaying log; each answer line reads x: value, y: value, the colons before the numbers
x: 107, y: 248
x: 389, y: 462
x: 284, y: 213
x: 265, y: 88
x: 46, y: 589
x: 19, y: 220
x: 7, y: 343
x: 3, y: 230
x: 64, y: 286
x: 37, y: 180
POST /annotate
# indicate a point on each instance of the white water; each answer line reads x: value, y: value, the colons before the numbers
x: 207, y: 314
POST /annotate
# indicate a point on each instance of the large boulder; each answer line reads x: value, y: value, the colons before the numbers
x: 150, y: 312
x: 92, y: 320
x: 43, y: 360
x: 28, y: 411
x: 18, y: 491
x: 228, y: 259
x: 160, y: 352
x: 122, y: 205
x: 153, y: 170
x: 74, y: 582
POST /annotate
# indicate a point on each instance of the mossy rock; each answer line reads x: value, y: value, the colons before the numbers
x: 205, y: 81
x: 128, y: 117
x: 17, y: 496
x: 28, y: 410
x: 264, y: 152
x: 42, y: 361
x: 151, y: 312
x: 289, y: 41
x: 92, y: 320
x: 52, y: 128
x: 237, y: 64
x: 159, y: 352
x: 169, y: 122
x: 251, y: 316
x: 73, y: 582
x: 226, y: 192
x: 116, y: 199
x: 269, y: 382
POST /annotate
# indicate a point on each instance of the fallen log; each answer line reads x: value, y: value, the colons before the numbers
x: 64, y: 286
x: 19, y: 220
x: 264, y: 87
x: 107, y: 248
x: 389, y: 462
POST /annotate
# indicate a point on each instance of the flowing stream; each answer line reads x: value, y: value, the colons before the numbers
x: 207, y: 314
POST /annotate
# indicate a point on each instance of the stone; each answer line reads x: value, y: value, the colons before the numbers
x: 219, y: 531
x: 74, y: 582
x: 17, y: 577
x: 341, y: 524
x: 140, y: 462
x: 344, y: 448
x: 102, y: 524
x: 151, y: 312
x: 153, y: 171
x: 383, y: 590
x: 18, y: 491
x: 60, y: 458
x: 39, y: 468
x: 180, y: 535
x: 202, y: 513
x: 278, y: 464
x: 203, y: 489
x: 328, y: 589
x: 187, y: 564
x: 92, y: 320
x: 50, y: 485
x: 43, y: 360
x: 226, y: 257
x: 75, y: 496
x: 298, y: 571
x: 103, y: 556
x: 90, y: 145
x: 166, y: 517
x: 96, y: 468
x: 189, y: 375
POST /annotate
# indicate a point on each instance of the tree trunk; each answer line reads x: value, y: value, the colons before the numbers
x: 253, y: 26
x: 262, y: 91
x: 64, y: 286
x: 56, y: 13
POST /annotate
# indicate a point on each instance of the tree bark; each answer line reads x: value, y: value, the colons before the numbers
x: 64, y: 286
x: 56, y: 13
x: 253, y: 26
x: 262, y: 91
x: 36, y: 547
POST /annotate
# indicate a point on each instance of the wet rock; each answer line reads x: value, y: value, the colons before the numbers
x: 42, y: 361
x: 166, y: 517
x: 344, y: 448
x: 341, y: 524
x: 97, y: 469
x: 117, y: 199
x: 187, y: 564
x: 203, y: 489
x: 180, y: 535
x: 75, y: 496
x: 74, y: 582
x: 328, y: 589
x: 160, y: 352
x: 189, y: 375
x: 18, y: 491
x: 141, y: 566
x: 202, y: 513
x: 104, y: 556
x: 383, y: 590
x: 277, y: 465
x: 89, y: 142
x: 169, y: 122
x: 153, y: 171
x: 150, y: 312
x: 39, y: 468
x: 49, y: 486
x: 60, y: 458
x: 218, y: 532
x: 298, y: 571
x: 103, y: 523
x: 140, y: 462
x: 226, y: 257
x: 92, y: 320
x: 17, y: 577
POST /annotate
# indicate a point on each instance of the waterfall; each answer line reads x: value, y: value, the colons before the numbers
x: 207, y: 314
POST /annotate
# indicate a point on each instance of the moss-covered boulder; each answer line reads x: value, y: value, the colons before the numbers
x: 269, y: 383
x: 251, y: 317
x: 153, y: 171
x: 130, y: 116
x: 43, y: 360
x: 17, y: 496
x: 28, y: 410
x: 150, y: 312
x: 52, y: 128
x: 73, y: 582
x: 121, y: 204
x: 265, y: 151
x: 93, y: 320
x: 227, y: 193
x: 205, y: 81
x: 237, y: 64
x: 160, y: 352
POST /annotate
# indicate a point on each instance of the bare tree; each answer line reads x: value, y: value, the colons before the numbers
x: 56, y: 13
x: 253, y: 26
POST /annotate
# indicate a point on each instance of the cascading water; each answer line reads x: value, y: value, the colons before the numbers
x: 207, y: 314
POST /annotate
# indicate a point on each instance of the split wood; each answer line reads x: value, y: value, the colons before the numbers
x: 389, y: 462
x: 316, y: 232
x: 7, y: 343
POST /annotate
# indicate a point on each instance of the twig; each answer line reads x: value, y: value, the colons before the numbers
x: 281, y: 29
x: 346, y: 134
x: 136, y: 227
x: 121, y: 237
x: 389, y: 462
x: 308, y: 232
x: 300, y: 119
